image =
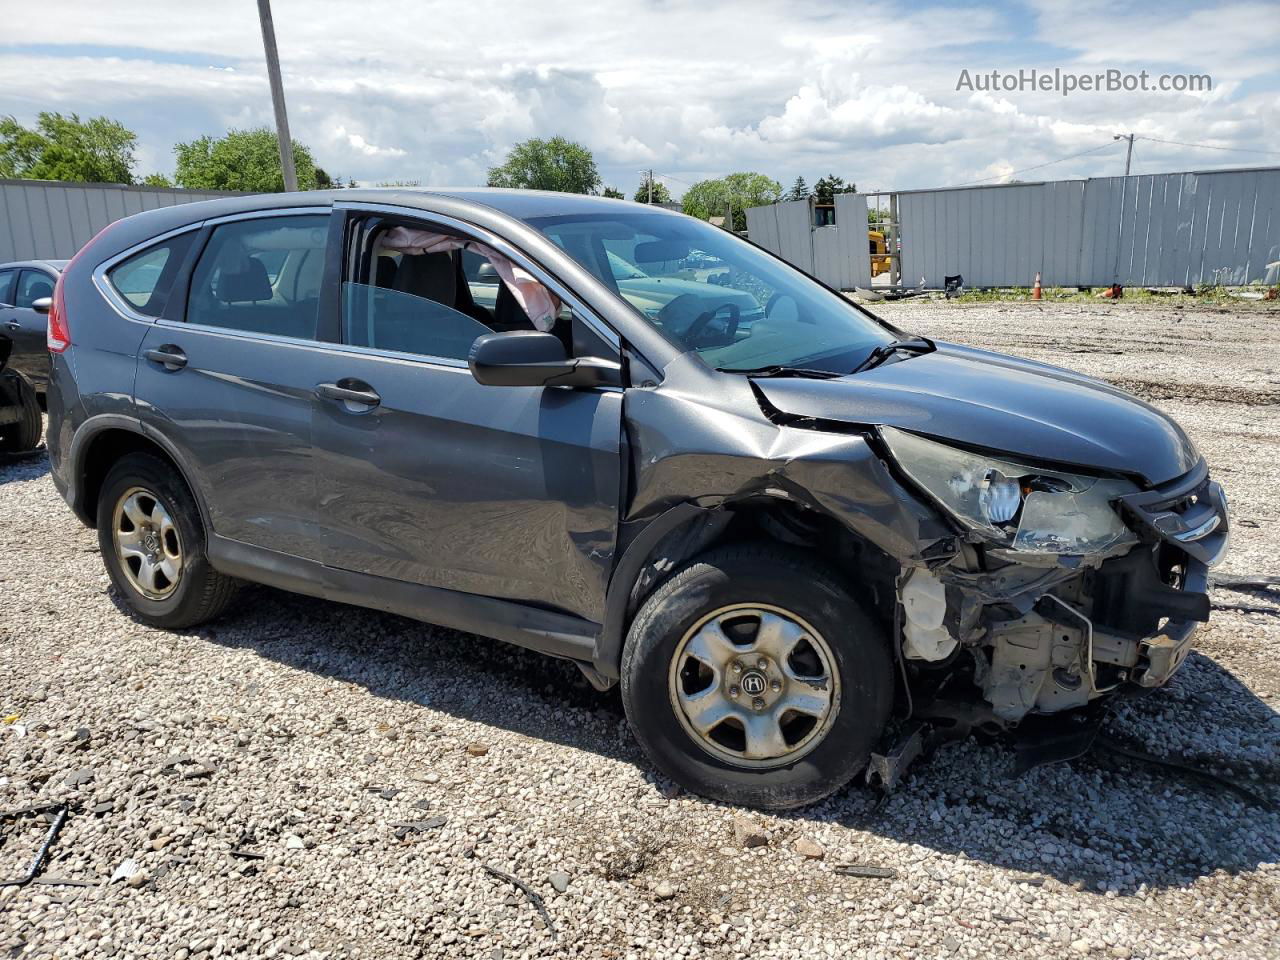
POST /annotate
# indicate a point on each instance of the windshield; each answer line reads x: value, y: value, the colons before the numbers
x: 710, y: 292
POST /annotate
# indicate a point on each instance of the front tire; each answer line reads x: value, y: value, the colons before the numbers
x: 153, y: 544
x: 752, y: 676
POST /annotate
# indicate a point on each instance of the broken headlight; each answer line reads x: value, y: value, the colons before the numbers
x: 1026, y: 508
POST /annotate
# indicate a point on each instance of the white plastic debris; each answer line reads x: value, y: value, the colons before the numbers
x: 924, y: 603
x: 125, y: 871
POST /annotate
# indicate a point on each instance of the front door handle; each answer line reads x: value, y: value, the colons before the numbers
x: 13, y: 325
x: 168, y: 354
x: 354, y: 393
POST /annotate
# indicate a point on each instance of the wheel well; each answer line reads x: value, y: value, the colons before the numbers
x: 105, y: 450
x: 865, y: 569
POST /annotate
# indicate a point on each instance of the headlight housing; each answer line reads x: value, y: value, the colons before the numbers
x: 1014, y: 505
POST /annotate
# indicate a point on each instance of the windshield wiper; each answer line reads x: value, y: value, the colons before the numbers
x: 883, y: 352
x: 782, y: 370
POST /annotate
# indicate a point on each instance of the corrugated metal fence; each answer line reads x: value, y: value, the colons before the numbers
x: 50, y: 220
x: 1163, y: 230
x: 837, y: 258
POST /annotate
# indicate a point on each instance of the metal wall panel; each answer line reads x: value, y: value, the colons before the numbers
x: 839, y: 258
x: 47, y: 220
x: 855, y: 253
x: 1159, y: 230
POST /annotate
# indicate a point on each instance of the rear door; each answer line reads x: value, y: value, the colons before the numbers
x: 227, y: 374
x: 427, y: 476
x: 8, y: 322
x: 26, y: 328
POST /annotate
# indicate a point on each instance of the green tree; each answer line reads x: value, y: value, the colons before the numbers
x: 156, y: 180
x: 825, y: 190
x: 97, y: 150
x: 660, y: 192
x: 614, y: 193
x: 799, y: 190
x: 555, y: 164
x: 241, y: 160
x: 712, y: 198
x: 326, y: 182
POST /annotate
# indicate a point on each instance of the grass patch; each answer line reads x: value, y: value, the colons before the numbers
x: 1204, y: 295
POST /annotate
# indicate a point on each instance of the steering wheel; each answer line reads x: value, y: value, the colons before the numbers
x: 686, y: 304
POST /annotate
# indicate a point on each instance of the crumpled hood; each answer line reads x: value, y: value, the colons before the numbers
x: 1001, y: 403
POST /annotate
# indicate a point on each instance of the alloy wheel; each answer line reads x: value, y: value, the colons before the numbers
x: 754, y: 685
x: 147, y: 543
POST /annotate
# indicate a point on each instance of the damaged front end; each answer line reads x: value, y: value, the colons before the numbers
x: 1059, y: 587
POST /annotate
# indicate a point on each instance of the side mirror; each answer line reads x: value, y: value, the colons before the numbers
x: 528, y: 358
x: 43, y: 305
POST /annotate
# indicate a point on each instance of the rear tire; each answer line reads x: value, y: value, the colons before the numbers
x: 24, y: 435
x: 153, y: 545
x: 794, y: 718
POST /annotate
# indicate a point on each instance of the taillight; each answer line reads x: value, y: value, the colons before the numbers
x: 59, y: 334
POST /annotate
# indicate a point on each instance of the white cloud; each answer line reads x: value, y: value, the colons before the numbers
x: 364, y: 147
x: 439, y: 94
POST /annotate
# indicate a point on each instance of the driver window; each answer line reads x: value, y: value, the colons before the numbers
x: 426, y: 303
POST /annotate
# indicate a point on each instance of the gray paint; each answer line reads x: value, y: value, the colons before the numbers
x: 1162, y: 230
x: 51, y: 220
x: 505, y: 511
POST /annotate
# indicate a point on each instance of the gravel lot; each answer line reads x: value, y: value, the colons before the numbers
x: 255, y: 771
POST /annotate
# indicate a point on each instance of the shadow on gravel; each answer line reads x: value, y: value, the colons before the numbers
x: 24, y: 466
x: 1105, y: 823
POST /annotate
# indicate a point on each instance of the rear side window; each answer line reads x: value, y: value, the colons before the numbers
x: 6, y: 285
x: 145, y: 279
x: 261, y: 276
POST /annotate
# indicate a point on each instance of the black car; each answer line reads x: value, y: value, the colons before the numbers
x: 652, y: 449
x: 23, y: 284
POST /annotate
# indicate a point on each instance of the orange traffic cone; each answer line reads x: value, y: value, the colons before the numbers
x: 1035, y: 291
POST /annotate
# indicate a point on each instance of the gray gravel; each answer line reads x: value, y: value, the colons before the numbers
x: 308, y: 779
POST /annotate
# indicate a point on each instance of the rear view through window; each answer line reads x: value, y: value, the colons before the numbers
x: 261, y: 276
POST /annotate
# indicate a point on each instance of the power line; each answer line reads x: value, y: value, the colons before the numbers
x: 1049, y: 163
x: 1210, y: 146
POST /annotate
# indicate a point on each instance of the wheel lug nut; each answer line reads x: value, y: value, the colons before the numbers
x: 762, y: 664
x: 737, y: 666
x: 757, y: 704
x: 775, y: 685
x: 734, y: 691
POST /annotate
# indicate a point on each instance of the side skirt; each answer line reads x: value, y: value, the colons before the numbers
x: 556, y: 634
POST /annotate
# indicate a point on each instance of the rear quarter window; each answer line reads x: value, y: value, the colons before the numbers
x: 144, y: 280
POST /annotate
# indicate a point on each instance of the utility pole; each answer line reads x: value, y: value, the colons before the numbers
x: 277, y: 96
x: 1128, y: 157
x: 650, y: 200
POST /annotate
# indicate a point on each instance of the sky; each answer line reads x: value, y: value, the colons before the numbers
x: 438, y: 92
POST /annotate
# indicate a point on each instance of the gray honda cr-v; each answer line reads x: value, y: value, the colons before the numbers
x: 627, y: 438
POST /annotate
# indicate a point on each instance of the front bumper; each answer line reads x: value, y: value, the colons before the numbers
x: 1045, y: 640
x: 1188, y: 516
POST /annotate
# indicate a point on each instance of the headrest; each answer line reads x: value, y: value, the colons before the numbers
x: 248, y: 281
x: 428, y: 275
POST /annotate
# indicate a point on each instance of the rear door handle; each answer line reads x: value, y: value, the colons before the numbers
x: 169, y: 355
x: 354, y: 392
